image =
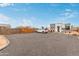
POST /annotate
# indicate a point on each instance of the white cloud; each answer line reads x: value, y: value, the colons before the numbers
x: 67, y: 16
x: 8, y: 20
x: 69, y: 13
x: 4, y: 17
x: 68, y: 10
x: 54, y: 4
x: 74, y: 4
x: 22, y: 9
x: 6, y: 4
x: 27, y: 4
x: 26, y: 22
x: 32, y: 22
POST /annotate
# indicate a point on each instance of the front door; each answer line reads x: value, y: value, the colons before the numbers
x: 58, y: 28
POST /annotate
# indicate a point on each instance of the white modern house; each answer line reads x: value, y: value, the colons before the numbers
x: 60, y: 27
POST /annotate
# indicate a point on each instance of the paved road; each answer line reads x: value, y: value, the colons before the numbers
x: 38, y: 44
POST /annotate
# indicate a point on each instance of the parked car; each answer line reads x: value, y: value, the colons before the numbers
x: 42, y: 31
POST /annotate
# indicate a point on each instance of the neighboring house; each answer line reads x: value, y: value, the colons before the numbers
x: 60, y: 27
x: 4, y: 28
x: 5, y: 25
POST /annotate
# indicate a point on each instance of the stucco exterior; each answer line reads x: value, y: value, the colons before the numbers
x: 59, y: 27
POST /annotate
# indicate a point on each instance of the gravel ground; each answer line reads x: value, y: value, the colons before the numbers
x: 38, y: 44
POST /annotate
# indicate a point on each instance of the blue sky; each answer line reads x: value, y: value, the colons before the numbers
x: 38, y: 14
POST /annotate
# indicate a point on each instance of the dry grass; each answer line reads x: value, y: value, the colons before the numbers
x: 75, y: 33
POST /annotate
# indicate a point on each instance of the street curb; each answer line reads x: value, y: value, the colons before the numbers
x: 5, y: 45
